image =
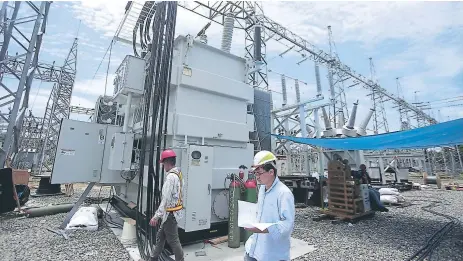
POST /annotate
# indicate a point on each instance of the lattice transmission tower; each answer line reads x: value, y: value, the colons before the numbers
x: 336, y: 81
x: 403, y: 112
x: 58, y: 108
x: 19, y: 52
x: 378, y: 99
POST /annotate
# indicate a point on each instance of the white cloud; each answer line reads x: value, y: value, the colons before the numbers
x: 369, y: 23
x: 94, y: 87
x: 103, y: 16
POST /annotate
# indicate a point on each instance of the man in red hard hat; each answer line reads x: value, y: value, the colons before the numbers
x: 169, y: 210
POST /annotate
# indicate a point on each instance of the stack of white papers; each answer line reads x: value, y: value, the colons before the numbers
x: 247, y: 216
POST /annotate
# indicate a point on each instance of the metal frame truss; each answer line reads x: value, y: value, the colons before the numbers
x: 343, y: 71
x: 379, y: 114
x: 404, y: 118
x: 44, y: 72
x: 29, y: 141
x: 58, y: 108
x: 82, y: 110
x: 336, y: 82
x: 26, y: 48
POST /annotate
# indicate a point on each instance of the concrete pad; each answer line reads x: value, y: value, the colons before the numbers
x: 220, y: 252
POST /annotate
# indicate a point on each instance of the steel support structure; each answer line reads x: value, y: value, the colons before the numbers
x: 344, y: 72
x: 404, y: 118
x: 43, y: 71
x: 379, y: 115
x: 29, y: 142
x: 58, y: 108
x: 336, y: 83
x: 17, y: 43
x: 82, y: 110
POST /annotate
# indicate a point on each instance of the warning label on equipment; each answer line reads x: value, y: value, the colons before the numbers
x: 202, y: 222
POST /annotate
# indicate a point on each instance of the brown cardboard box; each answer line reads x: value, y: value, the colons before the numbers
x: 21, y: 177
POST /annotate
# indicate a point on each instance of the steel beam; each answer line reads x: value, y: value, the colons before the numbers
x: 58, y: 108
x: 16, y: 41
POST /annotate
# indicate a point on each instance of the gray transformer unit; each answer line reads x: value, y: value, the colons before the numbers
x: 208, y: 128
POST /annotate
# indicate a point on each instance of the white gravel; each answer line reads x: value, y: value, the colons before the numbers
x: 394, y: 235
x: 96, y: 192
x: 28, y: 238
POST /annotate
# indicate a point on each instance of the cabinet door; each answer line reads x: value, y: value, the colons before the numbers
x: 79, y: 152
x: 198, y: 188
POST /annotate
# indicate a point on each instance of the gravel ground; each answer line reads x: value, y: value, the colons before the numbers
x: 394, y: 235
x: 96, y: 192
x: 28, y: 238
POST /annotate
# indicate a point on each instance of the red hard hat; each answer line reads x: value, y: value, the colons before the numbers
x: 167, y: 154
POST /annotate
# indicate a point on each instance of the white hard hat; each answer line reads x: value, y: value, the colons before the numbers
x: 263, y: 157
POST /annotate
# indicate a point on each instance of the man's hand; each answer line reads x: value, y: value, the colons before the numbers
x: 154, y: 222
x: 256, y: 230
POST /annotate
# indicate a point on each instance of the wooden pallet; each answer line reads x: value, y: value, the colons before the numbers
x: 344, y: 200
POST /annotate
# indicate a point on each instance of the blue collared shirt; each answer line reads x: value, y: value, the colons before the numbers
x: 275, y: 205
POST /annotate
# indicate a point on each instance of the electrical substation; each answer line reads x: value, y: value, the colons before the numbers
x: 215, y: 110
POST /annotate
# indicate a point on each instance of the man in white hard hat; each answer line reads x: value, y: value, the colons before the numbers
x: 275, y: 205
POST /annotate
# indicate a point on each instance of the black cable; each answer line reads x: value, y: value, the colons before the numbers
x: 437, y: 236
x: 155, y: 90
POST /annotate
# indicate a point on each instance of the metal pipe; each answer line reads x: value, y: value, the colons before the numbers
x: 294, y: 106
x: 317, y: 78
x: 298, y: 91
x: 302, y: 120
x: 459, y: 157
x: 49, y: 210
x: 307, y: 109
x: 127, y: 112
x: 445, y: 161
x: 257, y: 43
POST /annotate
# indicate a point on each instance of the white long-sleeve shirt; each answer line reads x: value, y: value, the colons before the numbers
x: 276, y: 205
x: 170, y: 195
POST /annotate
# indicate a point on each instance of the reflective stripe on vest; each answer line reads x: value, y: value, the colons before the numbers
x: 179, y: 205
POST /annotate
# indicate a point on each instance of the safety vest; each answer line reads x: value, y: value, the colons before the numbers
x: 179, y: 205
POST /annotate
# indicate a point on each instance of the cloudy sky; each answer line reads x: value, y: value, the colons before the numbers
x: 420, y: 42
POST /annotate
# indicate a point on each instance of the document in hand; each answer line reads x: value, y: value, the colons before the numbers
x: 247, y: 216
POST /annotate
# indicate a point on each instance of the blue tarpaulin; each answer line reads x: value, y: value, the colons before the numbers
x: 448, y: 133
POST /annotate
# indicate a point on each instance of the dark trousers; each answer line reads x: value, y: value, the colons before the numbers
x: 168, y: 232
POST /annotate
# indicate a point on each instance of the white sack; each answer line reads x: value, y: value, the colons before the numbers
x: 388, y: 191
x: 391, y: 199
x: 85, y: 218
